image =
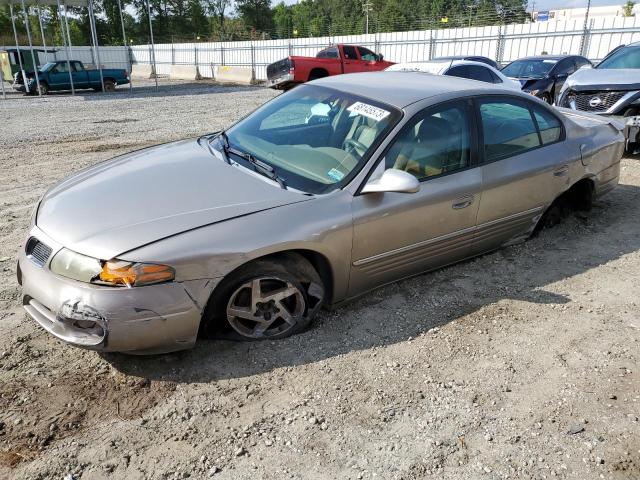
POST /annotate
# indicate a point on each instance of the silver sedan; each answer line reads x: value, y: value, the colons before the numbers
x: 324, y: 193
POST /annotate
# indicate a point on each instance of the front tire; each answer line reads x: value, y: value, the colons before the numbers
x: 269, y: 298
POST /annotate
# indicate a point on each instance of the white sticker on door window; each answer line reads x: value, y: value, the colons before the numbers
x: 368, y: 111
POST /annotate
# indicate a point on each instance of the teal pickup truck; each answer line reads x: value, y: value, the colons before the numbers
x: 55, y: 76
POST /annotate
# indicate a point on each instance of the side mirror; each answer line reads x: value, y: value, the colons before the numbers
x: 393, y: 180
x: 380, y: 57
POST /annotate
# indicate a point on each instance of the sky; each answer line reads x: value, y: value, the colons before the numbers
x: 539, y: 4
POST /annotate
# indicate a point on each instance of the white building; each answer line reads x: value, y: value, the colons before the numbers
x: 579, y: 13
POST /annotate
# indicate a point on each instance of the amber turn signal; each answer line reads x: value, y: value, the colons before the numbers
x: 116, y: 272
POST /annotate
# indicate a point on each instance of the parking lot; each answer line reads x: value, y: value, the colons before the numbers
x: 524, y: 363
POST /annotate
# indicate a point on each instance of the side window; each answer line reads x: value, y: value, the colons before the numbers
x: 350, y: 52
x: 549, y: 126
x: 328, y: 53
x: 508, y: 128
x: 565, y: 67
x: 77, y: 66
x: 581, y: 62
x: 434, y: 142
x: 496, y: 78
x: 367, y: 55
x: 480, y: 73
x: 461, y: 71
x: 60, y: 68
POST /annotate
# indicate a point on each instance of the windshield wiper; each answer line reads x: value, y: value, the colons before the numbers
x: 259, y: 166
x: 225, y: 145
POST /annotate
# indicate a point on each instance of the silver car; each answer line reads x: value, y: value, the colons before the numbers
x: 328, y: 191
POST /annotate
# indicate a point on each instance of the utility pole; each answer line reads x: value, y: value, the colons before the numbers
x: 367, y: 6
x: 583, y: 40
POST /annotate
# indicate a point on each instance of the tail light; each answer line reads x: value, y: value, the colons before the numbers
x: 292, y: 65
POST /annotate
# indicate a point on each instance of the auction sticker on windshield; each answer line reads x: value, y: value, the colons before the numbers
x: 369, y: 111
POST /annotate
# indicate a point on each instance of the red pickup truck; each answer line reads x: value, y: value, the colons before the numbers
x: 334, y: 60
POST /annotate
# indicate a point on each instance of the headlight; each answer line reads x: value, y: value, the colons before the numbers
x: 118, y: 272
x: 113, y: 272
x: 73, y: 265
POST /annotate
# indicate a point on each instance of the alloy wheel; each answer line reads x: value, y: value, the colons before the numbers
x: 265, y: 307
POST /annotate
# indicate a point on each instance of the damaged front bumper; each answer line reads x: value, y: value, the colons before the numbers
x: 143, y: 320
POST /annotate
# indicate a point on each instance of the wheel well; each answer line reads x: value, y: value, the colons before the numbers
x: 318, y: 261
x: 109, y: 79
x: 577, y: 198
x: 318, y: 73
x: 580, y: 195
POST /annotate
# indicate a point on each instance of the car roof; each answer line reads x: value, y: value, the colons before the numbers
x: 547, y: 57
x: 400, y: 89
x: 459, y: 57
x: 442, y: 60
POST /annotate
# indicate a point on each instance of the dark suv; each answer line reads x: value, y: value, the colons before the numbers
x: 611, y: 88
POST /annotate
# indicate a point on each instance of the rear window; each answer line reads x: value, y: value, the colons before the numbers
x: 328, y: 53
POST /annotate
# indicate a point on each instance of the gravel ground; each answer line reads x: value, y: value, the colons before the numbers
x: 519, y: 364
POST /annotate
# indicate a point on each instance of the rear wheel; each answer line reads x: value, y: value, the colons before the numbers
x: 109, y: 85
x: 318, y: 73
x: 267, y: 299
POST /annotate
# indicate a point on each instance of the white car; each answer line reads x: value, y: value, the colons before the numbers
x: 458, y: 68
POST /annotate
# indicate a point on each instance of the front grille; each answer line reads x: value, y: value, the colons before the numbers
x: 37, y: 251
x: 592, y: 101
x: 279, y: 68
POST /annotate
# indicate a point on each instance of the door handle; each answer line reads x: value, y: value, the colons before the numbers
x: 463, y: 202
x: 561, y: 172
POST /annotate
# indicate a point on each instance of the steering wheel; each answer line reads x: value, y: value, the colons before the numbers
x: 349, y: 145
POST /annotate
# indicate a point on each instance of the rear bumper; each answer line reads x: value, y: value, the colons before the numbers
x: 152, y: 319
x: 281, y: 81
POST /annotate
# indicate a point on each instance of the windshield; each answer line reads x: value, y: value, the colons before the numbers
x: 315, y: 138
x: 529, y: 68
x: 623, y: 58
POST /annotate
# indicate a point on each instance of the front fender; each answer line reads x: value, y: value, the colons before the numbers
x: 322, y: 225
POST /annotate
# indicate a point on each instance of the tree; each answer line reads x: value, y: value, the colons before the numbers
x: 217, y: 8
x: 282, y: 20
x: 256, y: 14
x: 627, y: 9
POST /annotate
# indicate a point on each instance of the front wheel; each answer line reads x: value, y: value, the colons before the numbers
x: 266, y: 299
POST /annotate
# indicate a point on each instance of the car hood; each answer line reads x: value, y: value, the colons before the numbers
x: 139, y: 198
x: 604, y: 79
